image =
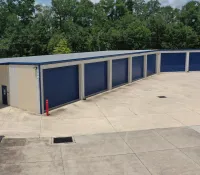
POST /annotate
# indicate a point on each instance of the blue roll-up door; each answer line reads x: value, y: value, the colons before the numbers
x: 194, y: 61
x: 61, y: 85
x: 119, y: 72
x: 151, y: 64
x: 173, y: 62
x: 137, y: 67
x: 95, y: 78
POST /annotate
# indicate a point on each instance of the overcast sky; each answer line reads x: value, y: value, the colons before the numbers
x: 174, y: 3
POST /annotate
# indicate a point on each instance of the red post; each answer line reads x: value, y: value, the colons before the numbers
x: 47, y: 107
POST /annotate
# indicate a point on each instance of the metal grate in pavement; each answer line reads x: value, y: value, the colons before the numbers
x: 162, y: 97
x: 63, y: 140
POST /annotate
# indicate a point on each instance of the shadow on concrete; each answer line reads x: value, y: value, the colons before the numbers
x: 3, y: 106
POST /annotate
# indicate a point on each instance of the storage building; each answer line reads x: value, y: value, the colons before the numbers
x: 27, y: 82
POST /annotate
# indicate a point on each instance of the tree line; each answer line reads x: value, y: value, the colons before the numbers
x: 27, y: 28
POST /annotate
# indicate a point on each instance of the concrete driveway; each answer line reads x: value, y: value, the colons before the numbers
x: 126, y: 131
x: 132, y: 107
x: 172, y: 151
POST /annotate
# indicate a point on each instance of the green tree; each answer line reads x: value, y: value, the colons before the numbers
x: 28, y: 29
x: 190, y: 15
x: 53, y: 42
x: 109, y: 8
x: 62, y: 47
x: 63, y: 10
x: 152, y: 7
x: 169, y: 14
x: 84, y: 13
x: 157, y: 25
x: 25, y: 10
x: 178, y: 36
x: 121, y: 9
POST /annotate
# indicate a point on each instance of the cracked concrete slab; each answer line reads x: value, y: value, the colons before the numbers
x: 128, y: 108
x: 168, y: 162
x: 135, y: 152
x: 180, y: 137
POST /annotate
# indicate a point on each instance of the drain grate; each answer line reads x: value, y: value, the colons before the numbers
x: 162, y: 97
x: 1, y: 137
x: 63, y: 140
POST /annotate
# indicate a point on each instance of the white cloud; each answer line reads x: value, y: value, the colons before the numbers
x: 174, y: 3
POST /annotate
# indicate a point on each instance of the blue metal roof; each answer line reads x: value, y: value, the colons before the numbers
x: 51, y: 59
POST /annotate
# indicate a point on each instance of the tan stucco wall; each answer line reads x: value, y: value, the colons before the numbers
x: 24, y: 91
x: 4, y: 79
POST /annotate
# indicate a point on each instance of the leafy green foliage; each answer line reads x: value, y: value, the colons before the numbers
x: 27, y: 28
x: 53, y: 42
x: 61, y: 47
x: 190, y: 15
x: 179, y: 36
